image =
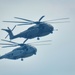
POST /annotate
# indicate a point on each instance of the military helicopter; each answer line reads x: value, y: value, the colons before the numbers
x: 24, y: 51
x: 39, y: 30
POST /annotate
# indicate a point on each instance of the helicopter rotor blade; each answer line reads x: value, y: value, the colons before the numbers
x: 41, y: 18
x: 23, y: 19
x: 13, y: 43
x: 9, y: 41
x: 40, y: 42
x: 25, y: 24
x: 57, y: 19
x: 46, y: 42
x: 15, y: 22
x: 22, y: 23
x: 5, y: 44
x: 9, y: 46
x: 59, y: 22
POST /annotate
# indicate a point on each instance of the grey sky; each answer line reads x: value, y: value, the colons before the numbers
x: 56, y: 59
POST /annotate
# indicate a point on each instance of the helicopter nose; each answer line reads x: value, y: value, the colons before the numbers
x: 35, y: 50
x: 51, y: 29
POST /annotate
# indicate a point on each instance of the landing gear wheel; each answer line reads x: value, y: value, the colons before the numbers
x: 21, y: 59
x: 38, y: 38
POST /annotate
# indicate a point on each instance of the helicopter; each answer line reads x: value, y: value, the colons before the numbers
x: 40, y: 29
x: 24, y: 51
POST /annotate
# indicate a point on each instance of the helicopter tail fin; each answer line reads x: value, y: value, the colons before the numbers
x: 11, y: 36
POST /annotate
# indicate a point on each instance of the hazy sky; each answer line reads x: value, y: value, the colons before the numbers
x: 55, y: 59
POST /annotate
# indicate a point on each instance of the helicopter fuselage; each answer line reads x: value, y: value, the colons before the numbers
x: 20, y: 52
x: 38, y: 30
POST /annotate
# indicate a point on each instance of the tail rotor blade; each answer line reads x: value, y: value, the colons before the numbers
x: 11, y: 30
x: 14, y: 27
